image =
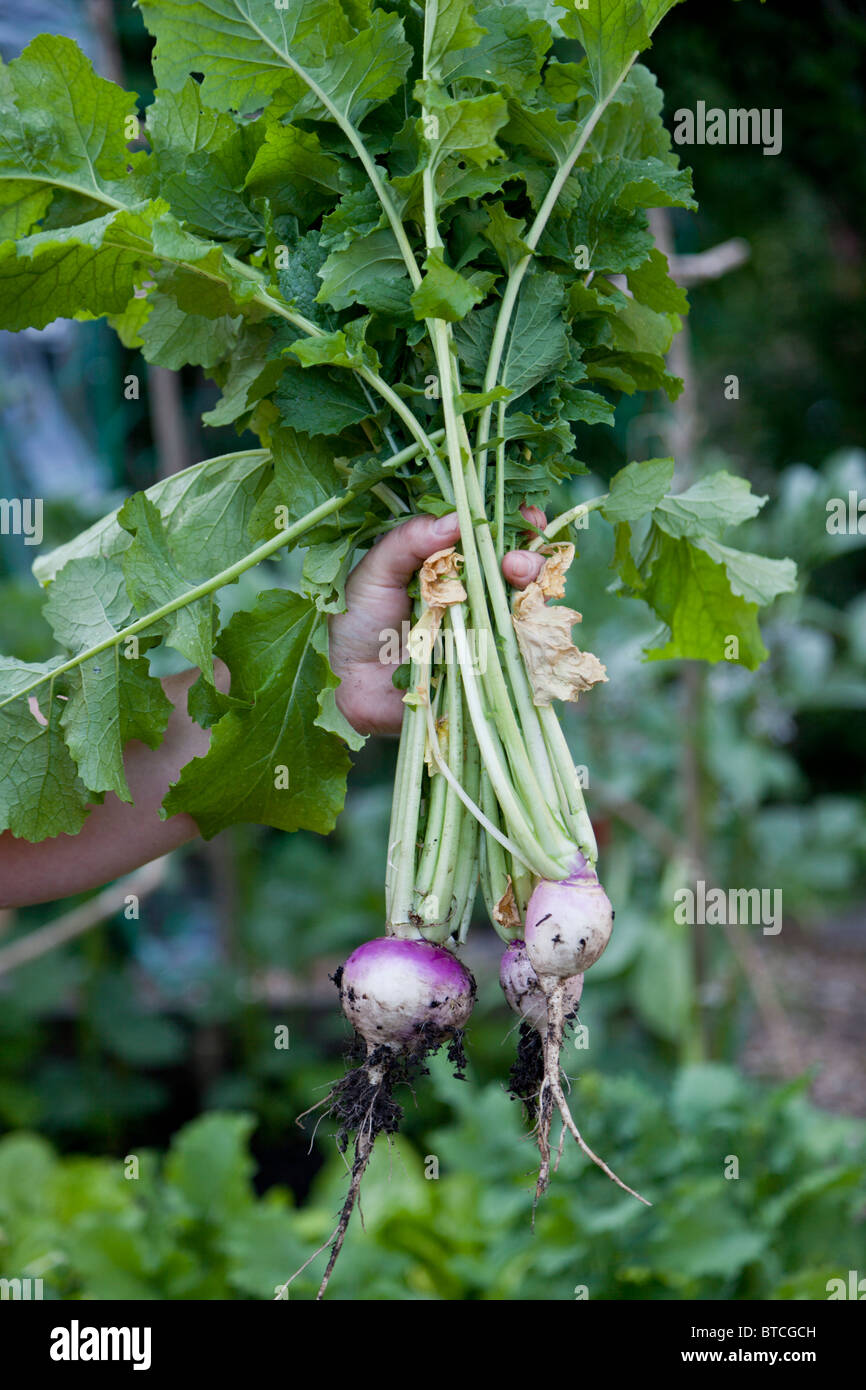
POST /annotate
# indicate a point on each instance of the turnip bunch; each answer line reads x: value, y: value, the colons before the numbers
x: 408, y: 241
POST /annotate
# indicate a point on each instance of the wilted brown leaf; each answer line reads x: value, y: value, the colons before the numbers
x: 505, y: 911
x: 557, y: 669
x: 551, y: 579
x: 442, y: 739
x: 440, y: 579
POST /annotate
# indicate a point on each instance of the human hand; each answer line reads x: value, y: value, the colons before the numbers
x: 377, y: 600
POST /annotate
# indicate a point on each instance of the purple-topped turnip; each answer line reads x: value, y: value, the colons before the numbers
x: 404, y: 998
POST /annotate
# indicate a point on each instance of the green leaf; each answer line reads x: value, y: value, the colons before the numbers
x: 753, y: 577
x: 247, y: 51
x: 179, y: 123
x: 304, y: 478
x: 207, y: 505
x: 250, y: 370
x: 204, y: 192
x: 321, y: 400
x: 368, y: 272
x: 652, y: 285
x: 540, y: 131
x: 341, y: 348
x: 293, y: 170
x: 62, y: 126
x: 635, y: 329
x: 443, y: 293
x: 693, y: 595
x: 474, y: 338
x: 623, y: 560
x: 637, y: 488
x: 113, y: 696
x: 466, y: 129
x: 41, y: 793
x: 93, y: 268
x: 709, y: 507
x: 211, y: 1166
x: 450, y: 28
x: 611, y: 32
x: 154, y: 578
x: 505, y: 235
x: 538, y: 342
x: 358, y: 74
x: 172, y: 338
x: 356, y: 215
x: 21, y: 205
x: 508, y: 55
x: 200, y: 165
x: 201, y: 276
x: 276, y: 656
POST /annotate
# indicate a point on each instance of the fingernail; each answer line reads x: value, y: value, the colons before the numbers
x: 523, y: 565
x: 446, y: 525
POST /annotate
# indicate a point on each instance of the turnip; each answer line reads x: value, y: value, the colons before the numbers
x: 546, y: 1004
x: 404, y: 998
x: 568, y: 923
x: 522, y: 988
x: 404, y: 994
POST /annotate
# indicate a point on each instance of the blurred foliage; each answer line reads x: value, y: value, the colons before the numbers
x: 191, y: 1227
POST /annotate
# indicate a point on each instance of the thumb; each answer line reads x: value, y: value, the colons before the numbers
x: 393, y: 560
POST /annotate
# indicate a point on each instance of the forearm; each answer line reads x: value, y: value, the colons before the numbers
x: 117, y: 836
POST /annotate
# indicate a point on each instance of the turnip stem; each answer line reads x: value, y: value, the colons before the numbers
x: 519, y: 828
x: 565, y: 519
x: 512, y: 287
x: 470, y: 510
x: 403, y: 846
x: 560, y: 756
x: 466, y: 875
x: 449, y: 849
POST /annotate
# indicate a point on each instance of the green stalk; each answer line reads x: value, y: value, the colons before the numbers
x: 208, y: 586
x: 494, y: 862
x: 562, y: 760
x: 527, y: 713
x: 407, y: 805
x: 547, y: 829
x: 394, y: 837
x: 564, y: 519
x: 499, y: 513
x: 519, y: 826
x: 355, y: 140
x: 449, y: 849
x: 438, y: 797
x: 512, y: 288
x: 466, y: 877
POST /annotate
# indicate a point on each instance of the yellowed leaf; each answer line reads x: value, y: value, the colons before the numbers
x: 551, y: 579
x: 442, y: 737
x: 558, y: 670
x: 505, y: 911
x: 440, y: 579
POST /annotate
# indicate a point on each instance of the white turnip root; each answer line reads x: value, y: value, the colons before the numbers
x: 546, y: 1004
